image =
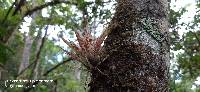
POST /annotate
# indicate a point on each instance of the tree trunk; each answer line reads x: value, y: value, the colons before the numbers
x: 26, y: 53
x: 138, y: 49
x: 28, y: 43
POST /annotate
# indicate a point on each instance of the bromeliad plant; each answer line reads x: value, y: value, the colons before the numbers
x: 89, y: 49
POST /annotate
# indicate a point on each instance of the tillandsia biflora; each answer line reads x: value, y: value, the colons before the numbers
x: 89, y: 50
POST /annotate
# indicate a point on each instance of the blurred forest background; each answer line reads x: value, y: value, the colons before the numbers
x: 31, y: 48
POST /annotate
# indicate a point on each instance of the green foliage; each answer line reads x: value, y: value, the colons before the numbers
x: 6, y: 30
x: 4, y: 52
x: 188, y: 61
x: 8, y: 26
x: 81, y: 4
x: 174, y: 16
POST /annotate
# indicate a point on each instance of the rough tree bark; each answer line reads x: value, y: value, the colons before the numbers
x: 138, y: 49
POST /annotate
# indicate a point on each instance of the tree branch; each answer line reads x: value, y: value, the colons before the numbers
x: 53, y: 68
x: 31, y: 11
x: 55, y: 2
